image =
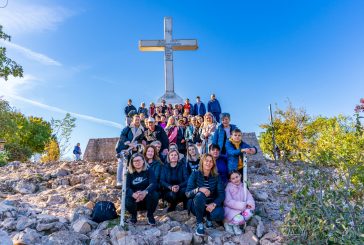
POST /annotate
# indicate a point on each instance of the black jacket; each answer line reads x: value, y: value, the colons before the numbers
x: 216, y: 187
x: 156, y: 166
x: 128, y: 109
x: 145, y: 180
x: 182, y: 176
x: 157, y: 134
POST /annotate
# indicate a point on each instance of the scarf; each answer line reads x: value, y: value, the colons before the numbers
x: 237, y: 146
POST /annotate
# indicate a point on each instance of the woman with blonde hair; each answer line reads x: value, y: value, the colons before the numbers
x: 140, y: 189
x: 206, y: 194
x: 208, y: 129
x: 174, y: 132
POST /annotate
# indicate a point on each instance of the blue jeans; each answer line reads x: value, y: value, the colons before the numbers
x: 197, y: 206
x: 78, y: 157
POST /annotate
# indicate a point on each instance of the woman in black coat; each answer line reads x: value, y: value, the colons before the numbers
x: 174, y: 178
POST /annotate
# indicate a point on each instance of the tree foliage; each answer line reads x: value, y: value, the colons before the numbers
x: 51, y: 151
x: 24, y: 135
x: 62, y: 130
x: 8, y: 67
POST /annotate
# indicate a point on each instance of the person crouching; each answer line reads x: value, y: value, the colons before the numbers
x: 140, y: 189
x: 206, y: 194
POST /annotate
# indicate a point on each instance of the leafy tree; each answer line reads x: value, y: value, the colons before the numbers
x: 24, y: 135
x: 8, y: 67
x: 62, y: 130
x: 289, y: 126
x: 52, y: 152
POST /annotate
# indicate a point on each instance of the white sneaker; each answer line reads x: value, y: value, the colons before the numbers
x: 229, y: 228
x: 237, y: 230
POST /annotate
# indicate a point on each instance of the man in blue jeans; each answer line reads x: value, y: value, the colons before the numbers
x: 77, y: 152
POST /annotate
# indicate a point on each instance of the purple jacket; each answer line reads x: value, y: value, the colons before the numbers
x: 236, y: 200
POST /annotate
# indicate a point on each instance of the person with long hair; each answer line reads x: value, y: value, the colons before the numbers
x: 154, y: 163
x: 174, y: 133
x: 174, y: 180
x: 205, y: 193
x: 140, y: 189
x: 192, y: 158
x: 208, y: 129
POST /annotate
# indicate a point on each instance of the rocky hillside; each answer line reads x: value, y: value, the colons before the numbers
x: 51, y: 204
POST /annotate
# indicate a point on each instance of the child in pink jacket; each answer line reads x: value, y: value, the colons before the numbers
x: 238, y: 205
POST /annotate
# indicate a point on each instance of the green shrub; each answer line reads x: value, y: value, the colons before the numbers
x: 4, y: 157
x: 18, y: 152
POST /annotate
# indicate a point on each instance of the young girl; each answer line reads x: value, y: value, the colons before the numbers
x: 238, y: 205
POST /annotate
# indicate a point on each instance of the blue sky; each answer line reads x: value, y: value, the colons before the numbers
x: 82, y: 57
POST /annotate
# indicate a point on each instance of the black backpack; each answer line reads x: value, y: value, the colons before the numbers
x: 103, y: 211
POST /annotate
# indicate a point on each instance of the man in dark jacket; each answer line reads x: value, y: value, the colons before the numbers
x: 155, y: 132
x: 127, y: 110
x: 214, y: 107
x: 199, y: 108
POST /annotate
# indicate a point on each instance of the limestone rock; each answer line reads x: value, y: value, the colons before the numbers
x: 81, y: 226
x: 28, y: 236
x: 61, y: 172
x: 25, y: 187
x: 9, y: 224
x: 260, y: 229
x: 4, y: 238
x: 80, y: 212
x: 248, y: 238
x: 65, y: 238
x: 24, y: 222
x: 121, y: 237
x: 271, y: 238
x: 153, y: 232
x: 178, y: 237
x: 261, y: 196
x: 55, y: 199
x: 45, y: 218
x: 99, y: 169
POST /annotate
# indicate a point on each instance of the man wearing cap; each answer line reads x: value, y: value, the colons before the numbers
x: 214, y: 107
x: 199, y: 108
x: 155, y: 132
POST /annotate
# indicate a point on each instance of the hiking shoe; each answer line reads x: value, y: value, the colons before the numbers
x: 209, y: 224
x: 200, y: 231
x: 151, y: 220
x: 229, y: 228
x: 133, y: 219
x: 237, y: 230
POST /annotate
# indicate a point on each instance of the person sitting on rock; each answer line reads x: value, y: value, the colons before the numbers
x: 239, y: 204
x: 129, y: 135
x: 235, y: 147
x: 173, y: 146
x: 221, y: 163
x: 192, y: 158
x: 140, y: 189
x: 152, y: 158
x: 206, y: 194
x: 174, y: 178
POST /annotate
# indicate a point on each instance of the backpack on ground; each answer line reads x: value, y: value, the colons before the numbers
x: 103, y: 211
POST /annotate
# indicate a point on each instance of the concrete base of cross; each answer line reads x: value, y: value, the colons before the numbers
x: 171, y: 98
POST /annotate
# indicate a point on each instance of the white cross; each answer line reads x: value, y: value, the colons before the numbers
x: 168, y: 45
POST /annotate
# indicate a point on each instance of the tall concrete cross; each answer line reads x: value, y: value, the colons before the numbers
x: 168, y: 45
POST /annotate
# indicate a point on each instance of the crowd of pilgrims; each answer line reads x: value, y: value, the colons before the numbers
x: 189, y: 158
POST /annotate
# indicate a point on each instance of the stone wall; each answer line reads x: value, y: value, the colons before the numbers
x: 104, y: 149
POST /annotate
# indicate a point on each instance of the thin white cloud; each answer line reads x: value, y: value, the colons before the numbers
x: 21, y: 17
x: 16, y: 84
x: 41, y: 58
x: 59, y: 110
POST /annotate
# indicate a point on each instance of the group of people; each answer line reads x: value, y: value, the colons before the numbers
x: 188, y: 158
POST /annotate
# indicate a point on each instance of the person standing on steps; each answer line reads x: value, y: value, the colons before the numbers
x: 199, y: 108
x: 77, y: 152
x: 128, y: 109
x: 214, y: 107
x: 143, y: 110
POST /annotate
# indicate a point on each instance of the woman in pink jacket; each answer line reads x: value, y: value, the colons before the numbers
x: 238, y: 205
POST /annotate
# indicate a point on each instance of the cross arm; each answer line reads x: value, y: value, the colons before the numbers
x: 152, y: 45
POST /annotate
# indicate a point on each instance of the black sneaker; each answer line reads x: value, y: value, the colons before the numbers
x: 151, y: 220
x: 133, y: 219
x: 171, y: 209
x: 209, y: 224
x: 200, y: 231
